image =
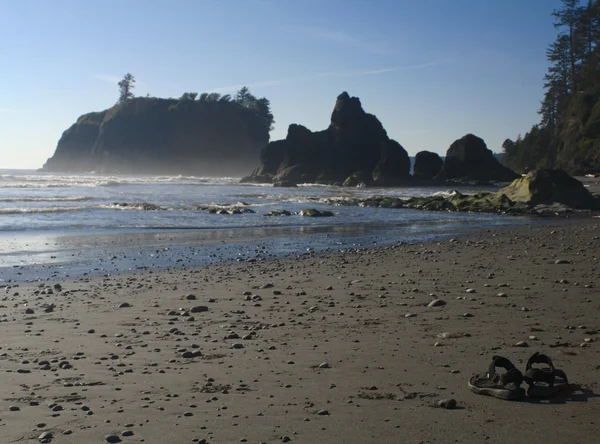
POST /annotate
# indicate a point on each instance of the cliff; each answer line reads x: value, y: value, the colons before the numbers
x: 354, y: 149
x: 164, y: 136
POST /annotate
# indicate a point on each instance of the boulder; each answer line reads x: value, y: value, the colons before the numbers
x: 354, y: 141
x: 290, y: 176
x: 549, y: 187
x: 312, y: 212
x: 357, y: 179
x: 469, y: 159
x: 427, y: 165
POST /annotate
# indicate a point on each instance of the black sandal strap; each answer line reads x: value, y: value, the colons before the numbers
x: 539, y: 358
x: 499, y: 361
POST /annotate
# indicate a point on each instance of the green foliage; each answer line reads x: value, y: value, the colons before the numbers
x: 188, y: 96
x: 126, y: 88
x: 569, y: 131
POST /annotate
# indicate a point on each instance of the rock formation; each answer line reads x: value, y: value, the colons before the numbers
x: 163, y: 136
x: 550, y: 187
x: 355, y: 144
x: 427, y: 165
x: 469, y: 159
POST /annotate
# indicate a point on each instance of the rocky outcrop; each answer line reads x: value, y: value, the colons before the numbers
x: 549, y: 187
x: 469, y: 159
x: 355, y: 144
x: 427, y: 165
x: 163, y: 136
x: 541, y: 193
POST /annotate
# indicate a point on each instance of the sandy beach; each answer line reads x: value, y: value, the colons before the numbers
x: 329, y: 348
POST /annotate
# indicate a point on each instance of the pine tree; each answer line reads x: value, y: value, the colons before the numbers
x: 125, y: 88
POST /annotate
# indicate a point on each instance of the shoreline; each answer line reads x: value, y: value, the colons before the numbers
x: 46, y: 255
x: 142, y: 361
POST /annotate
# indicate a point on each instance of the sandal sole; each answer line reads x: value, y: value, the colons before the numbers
x: 507, y: 395
x: 545, y: 392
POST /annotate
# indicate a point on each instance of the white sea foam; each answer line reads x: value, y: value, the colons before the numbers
x: 83, y: 180
x: 45, y: 199
x: 6, y: 211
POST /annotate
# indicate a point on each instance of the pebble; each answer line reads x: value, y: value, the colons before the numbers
x: 324, y: 365
x: 521, y: 344
x: 112, y: 438
x: 436, y: 303
x: 561, y: 262
x: 448, y: 403
x: 199, y: 308
x: 323, y: 412
x: 125, y: 305
x: 46, y: 436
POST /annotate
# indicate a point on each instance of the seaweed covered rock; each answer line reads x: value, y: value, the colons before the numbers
x: 427, y: 165
x: 469, y: 159
x: 312, y: 212
x: 277, y: 213
x: 354, y: 141
x: 548, y: 187
x: 356, y: 179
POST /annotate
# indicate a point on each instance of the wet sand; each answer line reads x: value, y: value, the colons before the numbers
x: 322, y: 348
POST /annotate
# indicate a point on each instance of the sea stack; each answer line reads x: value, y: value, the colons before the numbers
x: 355, y: 145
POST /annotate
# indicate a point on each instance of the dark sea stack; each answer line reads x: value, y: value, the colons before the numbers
x: 163, y: 136
x: 355, y: 144
x: 427, y: 165
x: 469, y: 159
x: 548, y: 187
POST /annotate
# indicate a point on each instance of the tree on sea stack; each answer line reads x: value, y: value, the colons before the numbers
x: 125, y: 88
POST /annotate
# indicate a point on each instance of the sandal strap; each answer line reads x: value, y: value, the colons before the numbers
x: 513, y: 376
x: 502, y: 362
x: 534, y: 375
x: 539, y: 358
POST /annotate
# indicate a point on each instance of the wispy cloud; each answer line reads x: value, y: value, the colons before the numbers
x: 340, y: 37
x: 8, y: 110
x: 107, y: 78
x: 351, y: 73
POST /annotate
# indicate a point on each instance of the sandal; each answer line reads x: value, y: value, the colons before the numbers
x: 544, y: 382
x: 499, y: 385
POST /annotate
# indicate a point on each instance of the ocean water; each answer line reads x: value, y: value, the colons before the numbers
x: 54, y: 225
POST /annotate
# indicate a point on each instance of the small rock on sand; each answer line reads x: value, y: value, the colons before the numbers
x: 199, y: 308
x: 448, y: 403
x: 436, y: 303
x: 112, y: 438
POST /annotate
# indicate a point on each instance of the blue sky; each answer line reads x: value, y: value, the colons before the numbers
x: 430, y: 70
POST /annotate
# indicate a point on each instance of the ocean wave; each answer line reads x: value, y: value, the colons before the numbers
x: 45, y: 199
x: 89, y: 180
x: 6, y: 211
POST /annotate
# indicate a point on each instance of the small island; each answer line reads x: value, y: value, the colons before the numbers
x: 210, y: 135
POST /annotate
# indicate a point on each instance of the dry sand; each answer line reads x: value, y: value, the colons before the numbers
x: 161, y: 374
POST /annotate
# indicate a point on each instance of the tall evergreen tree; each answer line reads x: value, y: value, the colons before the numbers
x: 567, y: 129
x: 126, y: 88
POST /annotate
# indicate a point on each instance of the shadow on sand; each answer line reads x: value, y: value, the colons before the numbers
x: 571, y: 393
